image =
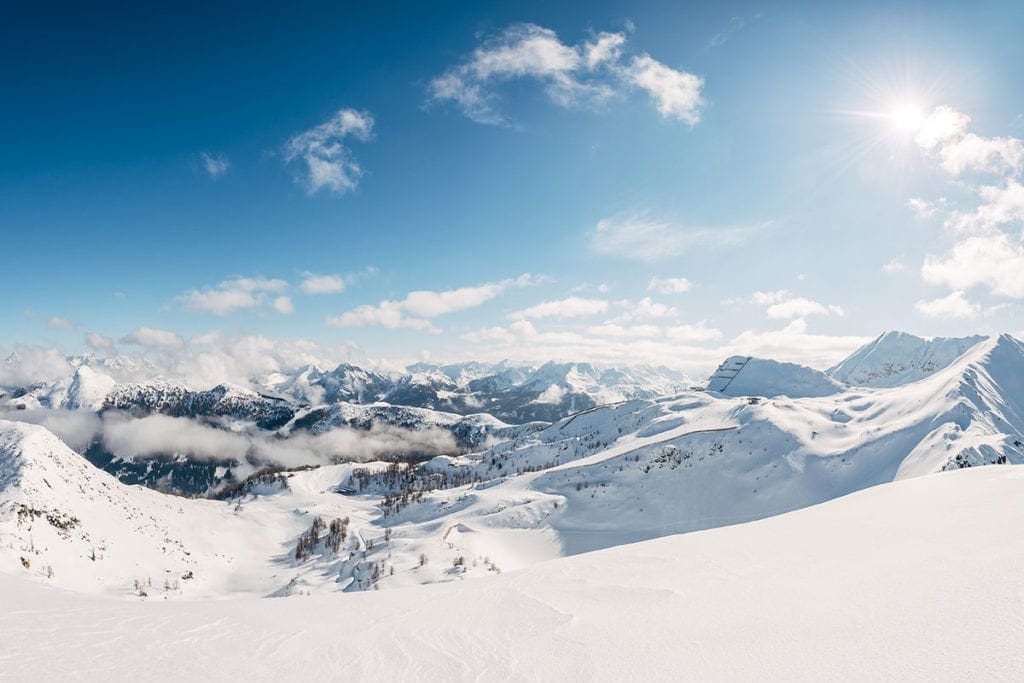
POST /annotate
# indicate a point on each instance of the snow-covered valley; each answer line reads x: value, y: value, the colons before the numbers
x: 606, y: 476
x: 540, y: 530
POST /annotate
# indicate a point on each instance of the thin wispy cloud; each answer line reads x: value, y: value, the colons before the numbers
x: 570, y: 307
x: 99, y: 342
x: 651, y: 239
x: 328, y: 163
x: 58, y: 323
x: 669, y: 285
x: 215, y: 165
x: 736, y: 24
x: 153, y: 338
x: 313, y: 283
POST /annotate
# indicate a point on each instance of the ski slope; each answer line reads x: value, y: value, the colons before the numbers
x: 918, y: 579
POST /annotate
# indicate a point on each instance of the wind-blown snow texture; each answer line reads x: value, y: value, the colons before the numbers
x: 919, y: 579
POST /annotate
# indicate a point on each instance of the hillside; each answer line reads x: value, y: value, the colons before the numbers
x: 915, y: 579
x: 615, y: 474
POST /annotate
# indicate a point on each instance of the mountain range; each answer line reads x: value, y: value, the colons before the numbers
x: 480, y: 496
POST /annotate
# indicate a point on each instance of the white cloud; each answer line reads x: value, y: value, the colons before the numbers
x: 329, y: 163
x: 58, y: 323
x: 283, y: 305
x: 995, y: 261
x: 685, y: 346
x: 922, y: 208
x: 999, y: 206
x: 693, y: 334
x: 644, y: 309
x: 987, y: 251
x: 644, y: 239
x: 570, y: 307
x: 425, y: 304
x: 232, y: 295
x: 589, y: 73
x: 943, y: 124
x: 677, y: 93
x: 894, y: 265
x: 553, y: 394
x: 605, y: 48
x: 161, y: 434
x: 956, y: 305
x: 99, y: 342
x: 215, y: 165
x: 30, y: 364
x: 385, y: 314
x: 617, y: 331
x: 323, y: 284
x: 151, y: 338
x: 200, y: 362
x: 801, y: 307
x: 669, y: 285
x: 944, y: 133
x: 784, y: 305
x: 794, y: 343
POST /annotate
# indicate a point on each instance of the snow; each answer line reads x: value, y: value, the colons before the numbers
x: 610, y: 475
x: 88, y: 389
x: 745, y: 376
x: 896, y: 358
x: 918, y: 579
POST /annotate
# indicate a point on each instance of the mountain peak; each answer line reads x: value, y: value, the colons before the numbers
x: 896, y: 358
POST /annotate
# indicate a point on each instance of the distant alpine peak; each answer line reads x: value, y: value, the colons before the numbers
x: 896, y: 358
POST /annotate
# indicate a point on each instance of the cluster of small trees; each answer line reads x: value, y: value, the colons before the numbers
x: 337, y: 533
x: 308, y: 543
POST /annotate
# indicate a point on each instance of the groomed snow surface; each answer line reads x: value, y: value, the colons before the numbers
x: 918, y: 579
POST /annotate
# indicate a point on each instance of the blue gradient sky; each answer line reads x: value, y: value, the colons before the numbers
x: 794, y: 182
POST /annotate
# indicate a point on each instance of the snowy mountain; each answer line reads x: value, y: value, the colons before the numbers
x: 916, y: 579
x: 613, y: 474
x: 746, y: 376
x: 266, y: 412
x: 896, y: 358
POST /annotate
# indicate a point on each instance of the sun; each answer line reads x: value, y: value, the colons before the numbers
x: 906, y: 117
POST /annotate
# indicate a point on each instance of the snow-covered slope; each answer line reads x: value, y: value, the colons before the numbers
x: 919, y: 579
x: 88, y: 389
x: 746, y: 376
x: 610, y: 475
x: 896, y: 358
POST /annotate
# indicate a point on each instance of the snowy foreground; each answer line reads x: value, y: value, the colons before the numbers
x: 920, y: 578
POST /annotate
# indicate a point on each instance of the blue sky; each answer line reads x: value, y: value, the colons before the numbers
x: 780, y: 179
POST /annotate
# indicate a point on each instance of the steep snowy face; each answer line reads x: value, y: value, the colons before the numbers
x: 267, y: 412
x: 746, y: 376
x: 896, y: 358
x: 88, y: 390
x: 60, y: 514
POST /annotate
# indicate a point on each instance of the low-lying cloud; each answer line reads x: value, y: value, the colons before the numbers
x: 133, y: 438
